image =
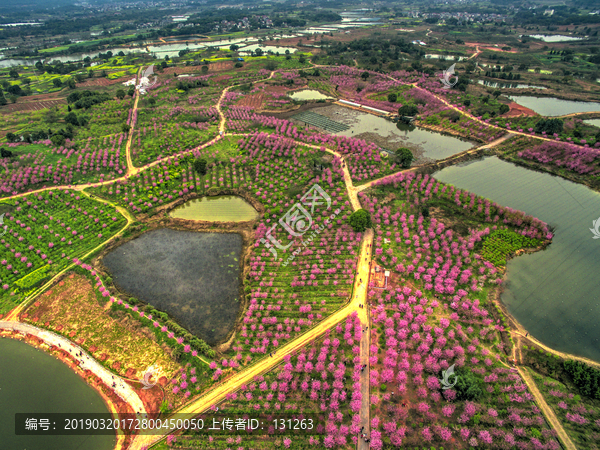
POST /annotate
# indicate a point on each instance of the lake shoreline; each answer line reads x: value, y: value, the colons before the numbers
x: 575, y: 333
x: 112, y: 401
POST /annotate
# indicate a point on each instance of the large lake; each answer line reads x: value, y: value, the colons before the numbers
x: 548, y: 106
x: 32, y: 381
x: 192, y: 276
x: 553, y: 293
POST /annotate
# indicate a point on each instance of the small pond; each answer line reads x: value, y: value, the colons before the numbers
x: 4, y: 63
x: 192, y: 276
x: 555, y: 37
x: 446, y: 57
x: 553, y: 293
x: 499, y: 85
x: 222, y: 208
x: 266, y: 48
x: 309, y: 94
x: 595, y: 122
x: 549, y: 106
x: 32, y: 381
x: 82, y: 56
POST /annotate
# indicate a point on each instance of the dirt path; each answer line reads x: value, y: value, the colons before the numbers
x: 130, y: 166
x: 521, y: 332
x: 566, y: 116
x: 548, y: 413
x: 477, y: 52
x: 218, y: 393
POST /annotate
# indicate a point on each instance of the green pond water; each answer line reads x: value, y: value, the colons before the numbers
x: 309, y: 94
x: 222, y: 208
x: 553, y: 293
x: 194, y: 277
x: 32, y: 381
x: 595, y: 122
x: 548, y: 106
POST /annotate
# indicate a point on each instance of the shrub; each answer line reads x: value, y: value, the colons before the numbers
x: 467, y: 386
x: 360, y: 220
x: 405, y: 157
x: 200, y: 166
x: 408, y: 110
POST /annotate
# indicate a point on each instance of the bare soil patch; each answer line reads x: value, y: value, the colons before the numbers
x: 74, y: 310
x: 518, y: 110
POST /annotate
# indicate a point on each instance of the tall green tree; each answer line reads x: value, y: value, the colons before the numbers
x: 360, y: 220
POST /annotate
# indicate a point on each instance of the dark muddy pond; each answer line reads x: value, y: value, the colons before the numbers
x: 222, y: 208
x: 192, y: 276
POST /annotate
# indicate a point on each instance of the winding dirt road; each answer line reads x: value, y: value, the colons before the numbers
x: 359, y: 295
x: 546, y: 410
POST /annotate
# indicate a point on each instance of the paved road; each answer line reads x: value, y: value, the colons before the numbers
x: 360, y: 292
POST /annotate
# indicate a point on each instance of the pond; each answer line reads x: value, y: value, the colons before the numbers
x: 221, y: 208
x: 595, y: 122
x: 265, y: 49
x: 192, y: 276
x: 426, y: 145
x: 82, y: 56
x: 446, y: 57
x: 172, y: 50
x: 549, y: 106
x: 32, y: 381
x: 555, y: 37
x: 499, y: 85
x: 309, y: 94
x: 553, y: 293
x: 4, y: 63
